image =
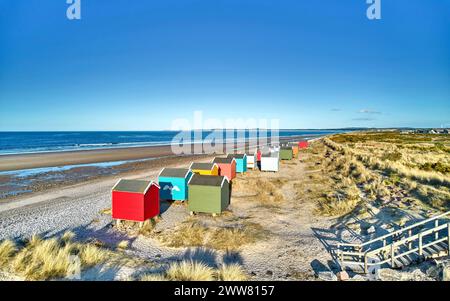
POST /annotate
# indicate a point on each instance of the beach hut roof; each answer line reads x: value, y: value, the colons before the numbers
x: 197, y: 179
x: 236, y: 156
x: 174, y: 172
x: 226, y: 160
x: 202, y: 166
x: 137, y: 186
x: 270, y: 155
x: 286, y: 148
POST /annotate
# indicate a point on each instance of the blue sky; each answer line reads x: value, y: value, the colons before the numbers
x: 138, y: 65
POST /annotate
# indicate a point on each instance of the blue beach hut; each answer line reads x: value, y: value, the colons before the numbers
x: 173, y: 183
x: 241, y: 162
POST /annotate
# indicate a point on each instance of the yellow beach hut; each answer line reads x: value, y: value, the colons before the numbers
x: 205, y: 169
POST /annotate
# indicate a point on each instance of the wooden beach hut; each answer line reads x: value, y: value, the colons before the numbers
x: 205, y: 169
x: 208, y: 194
x: 286, y: 153
x: 227, y: 167
x: 252, y: 162
x: 173, y: 183
x: 295, y: 151
x: 135, y: 200
x: 294, y: 146
x: 270, y: 161
x: 241, y: 162
x: 303, y: 144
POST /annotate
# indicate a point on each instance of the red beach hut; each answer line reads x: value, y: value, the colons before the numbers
x: 227, y: 167
x: 135, y: 200
x: 303, y: 144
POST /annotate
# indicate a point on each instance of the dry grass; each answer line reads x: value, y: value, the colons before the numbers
x: 41, y: 259
x: 135, y: 228
x: 231, y: 272
x: 189, y: 271
x: 265, y: 192
x: 417, y: 165
x: 124, y: 244
x: 231, y: 236
x: 7, y: 250
x: 197, y: 271
x: 106, y: 211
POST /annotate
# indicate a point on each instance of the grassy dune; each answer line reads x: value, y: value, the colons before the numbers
x: 382, y: 169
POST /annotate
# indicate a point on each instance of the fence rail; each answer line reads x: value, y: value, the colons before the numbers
x: 423, y: 239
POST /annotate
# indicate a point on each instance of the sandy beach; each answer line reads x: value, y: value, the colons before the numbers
x: 50, y: 159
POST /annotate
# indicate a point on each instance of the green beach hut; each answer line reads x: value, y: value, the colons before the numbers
x: 286, y: 153
x: 208, y: 194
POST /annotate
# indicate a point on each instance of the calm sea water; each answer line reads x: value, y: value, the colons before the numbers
x: 33, y: 142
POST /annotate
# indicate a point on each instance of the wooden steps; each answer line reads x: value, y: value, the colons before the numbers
x: 425, y: 239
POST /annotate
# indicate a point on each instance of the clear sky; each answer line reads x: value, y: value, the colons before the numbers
x: 137, y: 65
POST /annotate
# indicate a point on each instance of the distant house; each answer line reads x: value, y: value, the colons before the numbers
x: 208, y: 194
x: 208, y: 169
x: 227, y: 167
x: 135, y: 200
x: 173, y: 183
x: 241, y: 162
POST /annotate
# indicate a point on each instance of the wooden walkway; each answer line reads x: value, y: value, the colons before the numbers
x: 425, y: 239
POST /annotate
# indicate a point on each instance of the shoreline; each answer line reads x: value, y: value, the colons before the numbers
x: 24, y: 161
x: 16, y: 187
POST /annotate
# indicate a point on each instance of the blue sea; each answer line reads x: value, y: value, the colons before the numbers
x: 35, y: 142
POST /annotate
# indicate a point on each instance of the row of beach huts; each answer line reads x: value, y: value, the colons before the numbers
x: 205, y: 186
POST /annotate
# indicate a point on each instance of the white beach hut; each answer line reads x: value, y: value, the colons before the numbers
x: 252, y: 160
x: 270, y: 161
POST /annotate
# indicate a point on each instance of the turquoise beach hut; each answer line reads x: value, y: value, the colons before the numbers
x: 173, y: 183
x: 241, y: 162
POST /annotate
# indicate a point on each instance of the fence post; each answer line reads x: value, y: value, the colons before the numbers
x: 410, y: 242
x: 436, y: 235
x: 366, y: 265
x: 448, y: 238
x: 392, y: 256
x: 339, y: 253
x: 420, y: 244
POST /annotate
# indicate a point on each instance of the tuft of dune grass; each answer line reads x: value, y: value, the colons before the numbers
x: 226, y: 237
x: 189, y: 270
x: 231, y: 272
x: 43, y: 259
x: 122, y: 245
x: 7, y: 250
